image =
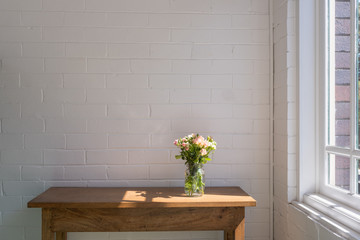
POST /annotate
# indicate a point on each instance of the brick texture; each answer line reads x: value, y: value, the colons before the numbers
x: 284, y: 115
x: 342, y: 91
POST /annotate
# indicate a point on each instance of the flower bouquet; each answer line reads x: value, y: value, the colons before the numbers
x: 195, y: 150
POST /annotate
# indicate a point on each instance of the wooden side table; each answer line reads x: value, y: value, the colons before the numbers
x: 141, y: 209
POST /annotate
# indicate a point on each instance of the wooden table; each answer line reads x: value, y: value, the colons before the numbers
x: 141, y: 209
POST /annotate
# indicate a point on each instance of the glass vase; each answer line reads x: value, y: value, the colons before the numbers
x: 194, y: 180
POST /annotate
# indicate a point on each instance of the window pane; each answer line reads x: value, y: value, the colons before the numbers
x: 339, y: 171
x: 340, y: 76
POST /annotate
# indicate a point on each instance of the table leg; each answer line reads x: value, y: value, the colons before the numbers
x: 61, y: 236
x: 239, y: 232
x: 229, y: 235
x: 47, y: 234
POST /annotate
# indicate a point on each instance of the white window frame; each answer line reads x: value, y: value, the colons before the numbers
x: 307, y: 98
x: 348, y: 197
x: 312, y: 73
x: 316, y: 198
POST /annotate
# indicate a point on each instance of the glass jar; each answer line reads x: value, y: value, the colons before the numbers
x: 194, y: 180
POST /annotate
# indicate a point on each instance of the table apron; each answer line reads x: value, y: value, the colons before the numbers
x: 144, y: 219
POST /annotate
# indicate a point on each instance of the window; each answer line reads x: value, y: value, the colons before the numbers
x: 328, y: 113
x: 339, y: 103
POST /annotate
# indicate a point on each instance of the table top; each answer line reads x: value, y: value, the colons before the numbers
x: 140, y: 197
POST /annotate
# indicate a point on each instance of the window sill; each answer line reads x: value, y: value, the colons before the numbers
x: 334, y: 216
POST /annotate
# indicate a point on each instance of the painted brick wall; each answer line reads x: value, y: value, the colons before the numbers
x: 93, y: 93
x: 284, y: 114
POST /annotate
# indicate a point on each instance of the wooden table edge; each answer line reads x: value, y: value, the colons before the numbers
x: 38, y: 202
x: 137, y: 205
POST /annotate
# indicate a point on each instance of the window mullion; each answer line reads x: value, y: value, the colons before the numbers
x: 353, y: 69
x: 338, y: 150
x: 355, y: 153
x: 330, y: 114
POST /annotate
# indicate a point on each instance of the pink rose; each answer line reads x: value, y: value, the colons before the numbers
x: 199, y: 140
x: 203, y: 152
x: 176, y: 142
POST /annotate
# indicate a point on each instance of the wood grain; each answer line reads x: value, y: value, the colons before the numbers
x: 240, y: 230
x: 46, y: 232
x: 156, y: 219
x: 238, y: 233
x: 140, y: 198
x: 229, y: 234
x: 61, y: 236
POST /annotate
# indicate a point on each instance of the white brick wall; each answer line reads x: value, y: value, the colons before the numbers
x: 286, y: 219
x: 93, y: 93
x: 280, y: 16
